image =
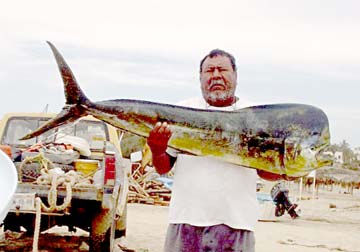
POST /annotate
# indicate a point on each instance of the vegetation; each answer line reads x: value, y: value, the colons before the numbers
x: 350, y: 160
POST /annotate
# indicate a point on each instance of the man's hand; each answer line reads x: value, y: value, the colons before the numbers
x: 158, y: 138
x: 158, y: 142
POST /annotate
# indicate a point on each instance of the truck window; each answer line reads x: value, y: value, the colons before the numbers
x: 95, y: 132
x: 19, y: 127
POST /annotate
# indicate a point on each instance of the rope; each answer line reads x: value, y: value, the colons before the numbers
x: 54, y: 177
x: 37, y: 224
x: 40, y: 158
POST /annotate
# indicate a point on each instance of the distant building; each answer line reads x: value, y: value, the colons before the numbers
x: 339, y: 157
x: 357, y: 153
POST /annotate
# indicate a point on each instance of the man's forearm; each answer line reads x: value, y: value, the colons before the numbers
x: 272, y: 176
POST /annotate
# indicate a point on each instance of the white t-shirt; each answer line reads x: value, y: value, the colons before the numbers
x: 207, y: 191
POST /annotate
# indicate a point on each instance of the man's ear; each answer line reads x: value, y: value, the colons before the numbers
x: 200, y: 77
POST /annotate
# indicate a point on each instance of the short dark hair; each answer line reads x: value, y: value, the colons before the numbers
x: 218, y: 52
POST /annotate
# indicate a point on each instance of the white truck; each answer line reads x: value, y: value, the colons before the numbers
x: 98, y: 207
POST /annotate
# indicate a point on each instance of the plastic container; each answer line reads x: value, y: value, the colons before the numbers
x: 86, y: 166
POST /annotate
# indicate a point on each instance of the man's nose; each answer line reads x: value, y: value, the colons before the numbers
x: 216, y: 72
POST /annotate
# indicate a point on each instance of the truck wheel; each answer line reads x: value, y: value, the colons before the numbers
x: 120, y: 224
x: 99, y: 239
x: 12, y: 223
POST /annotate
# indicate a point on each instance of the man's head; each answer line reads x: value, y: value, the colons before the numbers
x: 218, y: 78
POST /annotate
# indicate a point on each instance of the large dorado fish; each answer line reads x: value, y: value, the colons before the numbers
x: 286, y: 139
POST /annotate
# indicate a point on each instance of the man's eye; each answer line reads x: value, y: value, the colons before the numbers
x: 211, y: 70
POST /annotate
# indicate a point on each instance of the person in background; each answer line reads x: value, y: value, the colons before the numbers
x: 213, y: 205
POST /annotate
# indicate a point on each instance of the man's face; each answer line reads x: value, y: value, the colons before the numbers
x: 218, y: 81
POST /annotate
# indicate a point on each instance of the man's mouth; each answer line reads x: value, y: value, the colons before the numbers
x: 216, y: 85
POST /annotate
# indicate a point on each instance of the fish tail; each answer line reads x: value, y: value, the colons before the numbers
x: 72, y: 90
x: 67, y: 114
x: 76, y: 100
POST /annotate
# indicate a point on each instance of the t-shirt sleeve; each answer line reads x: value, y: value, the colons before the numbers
x: 172, y: 152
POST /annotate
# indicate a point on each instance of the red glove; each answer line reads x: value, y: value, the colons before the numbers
x: 158, y: 138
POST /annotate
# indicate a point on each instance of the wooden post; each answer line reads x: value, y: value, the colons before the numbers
x: 300, y: 188
x: 314, y: 185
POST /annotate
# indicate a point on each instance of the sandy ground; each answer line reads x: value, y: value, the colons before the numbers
x: 330, y: 222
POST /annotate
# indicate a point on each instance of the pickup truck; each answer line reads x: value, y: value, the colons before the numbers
x: 99, y: 208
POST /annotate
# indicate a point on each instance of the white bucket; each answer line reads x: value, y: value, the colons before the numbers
x: 8, y: 184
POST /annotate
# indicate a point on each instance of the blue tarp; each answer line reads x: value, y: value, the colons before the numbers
x: 263, y: 197
x: 168, y: 182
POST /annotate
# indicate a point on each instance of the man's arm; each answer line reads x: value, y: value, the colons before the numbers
x: 272, y: 176
x: 158, y: 142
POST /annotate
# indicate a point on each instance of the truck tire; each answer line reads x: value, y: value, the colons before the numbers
x: 120, y: 224
x: 99, y: 238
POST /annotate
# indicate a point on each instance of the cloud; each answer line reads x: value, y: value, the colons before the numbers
x: 287, y: 51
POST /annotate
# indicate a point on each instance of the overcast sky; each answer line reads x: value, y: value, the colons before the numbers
x: 286, y: 51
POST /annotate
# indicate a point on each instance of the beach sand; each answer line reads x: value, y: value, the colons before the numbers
x: 328, y: 222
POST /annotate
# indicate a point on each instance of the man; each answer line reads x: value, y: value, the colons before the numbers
x: 213, y: 205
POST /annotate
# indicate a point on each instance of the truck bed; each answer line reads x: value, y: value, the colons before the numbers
x: 83, y: 193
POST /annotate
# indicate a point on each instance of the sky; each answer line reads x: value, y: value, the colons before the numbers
x: 286, y: 51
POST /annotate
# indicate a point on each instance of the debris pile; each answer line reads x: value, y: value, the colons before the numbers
x: 145, y: 187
